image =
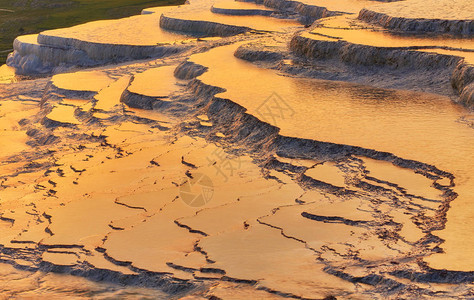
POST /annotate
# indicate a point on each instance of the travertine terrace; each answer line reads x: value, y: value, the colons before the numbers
x: 274, y: 149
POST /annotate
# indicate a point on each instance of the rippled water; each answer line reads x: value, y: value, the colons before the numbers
x: 412, y: 125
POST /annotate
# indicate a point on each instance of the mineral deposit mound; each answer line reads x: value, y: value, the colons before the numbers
x: 301, y: 149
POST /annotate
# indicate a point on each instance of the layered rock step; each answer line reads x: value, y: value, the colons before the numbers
x: 138, y: 37
x: 94, y: 43
x: 202, y: 173
x: 318, y: 203
x: 198, y: 18
x: 455, y: 17
x: 353, y: 42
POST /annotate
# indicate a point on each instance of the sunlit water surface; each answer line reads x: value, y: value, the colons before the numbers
x: 419, y: 126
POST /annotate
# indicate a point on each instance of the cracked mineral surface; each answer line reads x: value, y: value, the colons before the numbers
x: 303, y: 149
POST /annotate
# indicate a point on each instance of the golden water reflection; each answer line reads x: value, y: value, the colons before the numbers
x: 412, y: 125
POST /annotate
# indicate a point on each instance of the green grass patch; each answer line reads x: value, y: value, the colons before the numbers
x: 19, y: 17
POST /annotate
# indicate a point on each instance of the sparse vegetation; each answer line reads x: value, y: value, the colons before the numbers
x: 20, y: 17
